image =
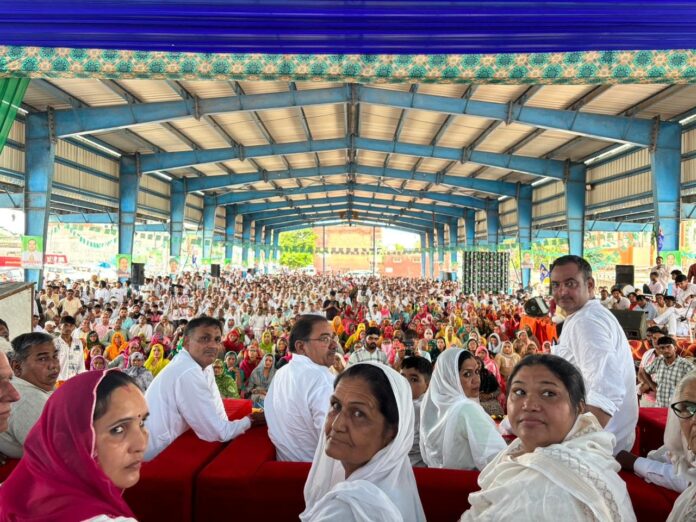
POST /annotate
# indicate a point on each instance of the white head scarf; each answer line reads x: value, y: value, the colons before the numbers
x: 444, y: 393
x: 384, y: 489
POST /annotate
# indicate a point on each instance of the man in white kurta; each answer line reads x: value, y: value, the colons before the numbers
x: 184, y: 395
x: 593, y: 340
x: 299, y: 395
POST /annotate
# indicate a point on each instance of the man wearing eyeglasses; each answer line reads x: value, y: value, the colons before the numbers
x: 298, y: 398
x: 593, y: 340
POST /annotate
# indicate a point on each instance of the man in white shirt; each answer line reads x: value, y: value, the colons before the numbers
x: 662, y: 272
x: 103, y: 294
x: 593, y: 340
x: 619, y: 302
x: 683, y: 289
x: 184, y: 395
x: 655, y: 286
x: 70, y: 354
x: 605, y: 298
x: 36, y: 367
x: 298, y: 398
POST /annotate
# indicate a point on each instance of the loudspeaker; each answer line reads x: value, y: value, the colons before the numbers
x: 138, y: 273
x: 536, y: 307
x: 215, y: 270
x: 448, y: 276
x: 624, y: 275
x: 632, y: 323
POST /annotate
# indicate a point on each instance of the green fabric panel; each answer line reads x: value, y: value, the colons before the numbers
x: 11, y: 95
x: 591, y: 67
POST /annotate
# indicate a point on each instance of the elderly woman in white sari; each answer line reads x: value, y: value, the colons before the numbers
x: 455, y: 431
x: 562, y: 459
x: 680, y: 439
x: 361, y: 471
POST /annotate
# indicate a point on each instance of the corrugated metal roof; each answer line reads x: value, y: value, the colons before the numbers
x: 323, y: 122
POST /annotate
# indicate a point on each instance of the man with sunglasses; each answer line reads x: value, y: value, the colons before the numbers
x: 298, y: 398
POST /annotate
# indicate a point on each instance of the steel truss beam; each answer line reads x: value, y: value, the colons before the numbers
x: 622, y: 129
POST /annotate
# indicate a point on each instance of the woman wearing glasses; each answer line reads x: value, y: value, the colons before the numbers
x: 562, y: 459
x: 680, y: 439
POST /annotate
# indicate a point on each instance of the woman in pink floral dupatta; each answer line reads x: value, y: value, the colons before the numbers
x: 67, y: 473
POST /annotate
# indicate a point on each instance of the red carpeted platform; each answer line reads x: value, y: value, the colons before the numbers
x: 651, y: 428
x: 166, y: 490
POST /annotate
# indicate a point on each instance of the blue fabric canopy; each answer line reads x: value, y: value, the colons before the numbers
x: 350, y: 27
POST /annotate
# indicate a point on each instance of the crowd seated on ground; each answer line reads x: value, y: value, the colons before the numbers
x: 303, y: 349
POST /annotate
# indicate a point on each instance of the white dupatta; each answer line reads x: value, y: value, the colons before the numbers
x: 383, y: 490
x: 574, y: 480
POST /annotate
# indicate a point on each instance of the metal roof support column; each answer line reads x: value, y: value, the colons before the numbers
x: 40, y: 153
x: 230, y: 228
x: 209, y: 208
x: 177, y: 208
x: 440, y: 230
x: 454, y: 246
x: 470, y: 226
x: 128, y: 184
x: 665, y: 160
x: 423, y: 248
x: 246, y: 237
x: 575, y: 208
x: 431, y: 252
x: 258, y: 239
x: 266, y: 250
x: 276, y: 242
x: 492, y: 221
x: 524, y: 225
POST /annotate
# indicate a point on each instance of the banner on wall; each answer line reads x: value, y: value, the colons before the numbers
x: 671, y: 258
x: 174, y: 263
x: 32, y: 252
x: 123, y: 266
x: 527, y: 259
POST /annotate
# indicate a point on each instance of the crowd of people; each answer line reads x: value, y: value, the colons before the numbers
x: 364, y: 377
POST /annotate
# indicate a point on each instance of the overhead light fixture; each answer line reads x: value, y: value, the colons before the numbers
x: 542, y: 181
x: 609, y: 153
x: 96, y: 145
x: 162, y: 175
x: 687, y: 120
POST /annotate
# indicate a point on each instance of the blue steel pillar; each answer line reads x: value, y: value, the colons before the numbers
x: 209, y: 208
x: 454, y: 246
x: 423, y: 247
x: 492, y: 222
x: 266, y: 250
x: 230, y: 229
x: 258, y: 239
x: 39, y: 156
x: 177, y: 208
x: 575, y: 208
x: 440, y: 229
x: 470, y: 226
x: 431, y: 252
x: 246, y: 238
x: 128, y: 184
x: 524, y: 225
x: 665, y: 162
x: 276, y: 249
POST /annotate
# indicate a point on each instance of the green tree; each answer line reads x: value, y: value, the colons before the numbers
x: 297, y: 248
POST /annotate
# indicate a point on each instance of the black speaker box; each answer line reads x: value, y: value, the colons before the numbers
x: 632, y: 323
x: 215, y: 270
x: 536, y: 307
x: 138, y: 273
x: 624, y: 275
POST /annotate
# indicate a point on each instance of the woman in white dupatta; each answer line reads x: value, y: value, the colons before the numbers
x: 562, y: 459
x: 361, y: 471
x: 680, y: 440
x: 455, y: 431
